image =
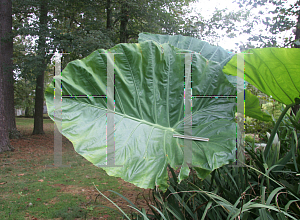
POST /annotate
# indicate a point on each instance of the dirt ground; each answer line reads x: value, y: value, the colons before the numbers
x: 32, y: 147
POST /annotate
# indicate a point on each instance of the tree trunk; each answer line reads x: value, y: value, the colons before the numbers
x: 39, y: 91
x: 5, y: 58
x: 4, y: 136
x: 296, y: 108
x: 108, y: 14
x: 8, y: 79
x: 39, y: 103
x: 297, y: 34
x: 124, y: 21
x: 27, y: 113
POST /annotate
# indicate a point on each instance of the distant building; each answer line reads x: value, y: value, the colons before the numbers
x: 45, y: 109
x: 19, y: 112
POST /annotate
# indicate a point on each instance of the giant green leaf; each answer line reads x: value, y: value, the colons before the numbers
x: 274, y: 71
x: 210, y: 52
x: 213, y: 53
x: 149, y: 109
x: 253, y: 109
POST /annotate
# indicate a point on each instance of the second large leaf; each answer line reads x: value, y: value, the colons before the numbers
x: 212, y: 53
x: 149, y: 109
x: 274, y: 71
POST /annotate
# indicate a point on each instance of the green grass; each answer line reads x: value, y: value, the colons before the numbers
x: 25, y: 125
x: 29, y: 121
x: 20, y: 191
x: 29, y: 188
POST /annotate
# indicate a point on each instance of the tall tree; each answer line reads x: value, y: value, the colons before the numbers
x: 222, y: 23
x: 108, y: 14
x: 8, y: 78
x: 136, y: 16
x: 124, y: 18
x: 4, y: 136
x: 80, y: 28
x: 5, y: 61
x: 33, y: 22
x: 266, y: 28
x: 47, y: 22
x: 41, y: 68
x: 297, y: 32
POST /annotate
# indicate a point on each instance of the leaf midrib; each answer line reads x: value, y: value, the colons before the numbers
x: 130, y: 117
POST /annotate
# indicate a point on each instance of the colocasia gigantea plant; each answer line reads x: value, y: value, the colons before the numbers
x: 149, y: 104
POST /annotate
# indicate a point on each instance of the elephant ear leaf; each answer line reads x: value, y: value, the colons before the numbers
x: 210, y: 52
x: 253, y: 109
x: 213, y: 53
x: 274, y: 71
x: 148, y: 111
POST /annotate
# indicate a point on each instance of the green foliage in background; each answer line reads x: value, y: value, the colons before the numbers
x: 252, y: 191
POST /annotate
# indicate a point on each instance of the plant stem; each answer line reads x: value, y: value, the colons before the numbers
x: 274, y: 131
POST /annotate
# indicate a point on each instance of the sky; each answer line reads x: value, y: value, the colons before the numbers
x: 207, y: 7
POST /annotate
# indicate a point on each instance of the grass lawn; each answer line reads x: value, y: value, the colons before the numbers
x: 31, y: 189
